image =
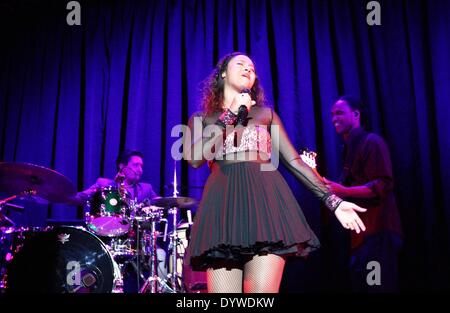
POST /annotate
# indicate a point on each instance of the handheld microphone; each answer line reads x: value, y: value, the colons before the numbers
x: 248, y: 91
x: 242, y: 116
x: 243, y: 111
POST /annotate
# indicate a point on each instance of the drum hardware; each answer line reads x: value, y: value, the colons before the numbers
x: 154, y: 283
x: 153, y: 280
x: 7, y: 229
x: 111, y: 209
x: 11, y: 241
x: 29, y: 181
x: 64, y: 260
x: 121, y: 250
x: 109, y: 212
x: 4, y: 220
x: 193, y: 281
x: 78, y: 261
x: 136, y: 248
x: 39, y: 181
x: 179, y: 202
x: 175, y: 277
x: 146, y: 222
x: 112, y: 216
x: 15, y: 207
x: 171, y: 204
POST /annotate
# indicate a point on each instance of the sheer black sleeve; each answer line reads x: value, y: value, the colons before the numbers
x: 201, y: 140
x: 290, y: 157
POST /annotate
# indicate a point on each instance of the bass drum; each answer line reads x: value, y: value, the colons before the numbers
x: 63, y: 260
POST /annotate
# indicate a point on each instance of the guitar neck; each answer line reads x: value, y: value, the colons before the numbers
x: 309, y: 158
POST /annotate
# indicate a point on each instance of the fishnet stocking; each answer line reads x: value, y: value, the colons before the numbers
x: 263, y: 274
x: 224, y: 280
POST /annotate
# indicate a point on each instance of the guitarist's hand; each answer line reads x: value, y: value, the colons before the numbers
x: 337, y: 189
x: 346, y: 211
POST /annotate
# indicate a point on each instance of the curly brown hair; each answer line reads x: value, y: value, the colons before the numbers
x: 213, y: 85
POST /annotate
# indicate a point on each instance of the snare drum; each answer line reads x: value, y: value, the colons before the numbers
x: 151, y: 213
x: 109, y: 213
x: 63, y: 260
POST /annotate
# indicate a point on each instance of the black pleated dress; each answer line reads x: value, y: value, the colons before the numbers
x: 245, y: 211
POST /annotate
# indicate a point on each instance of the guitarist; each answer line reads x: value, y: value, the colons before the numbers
x: 367, y: 180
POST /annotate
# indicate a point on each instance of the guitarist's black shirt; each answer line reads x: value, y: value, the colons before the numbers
x: 367, y: 162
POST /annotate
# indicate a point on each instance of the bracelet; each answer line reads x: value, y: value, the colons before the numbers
x: 332, y: 201
x: 226, y: 118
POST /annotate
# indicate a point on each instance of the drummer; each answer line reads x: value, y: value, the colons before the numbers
x: 130, y: 167
x: 130, y: 164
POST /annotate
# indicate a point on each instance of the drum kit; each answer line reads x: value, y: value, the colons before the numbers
x: 90, y: 258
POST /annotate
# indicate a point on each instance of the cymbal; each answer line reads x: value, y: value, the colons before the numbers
x: 179, y: 202
x: 45, y: 183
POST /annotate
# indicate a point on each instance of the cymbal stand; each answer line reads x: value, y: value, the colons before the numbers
x: 19, y: 208
x: 175, y: 277
x: 4, y: 203
x: 173, y: 240
x: 4, y: 218
x: 153, y: 281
